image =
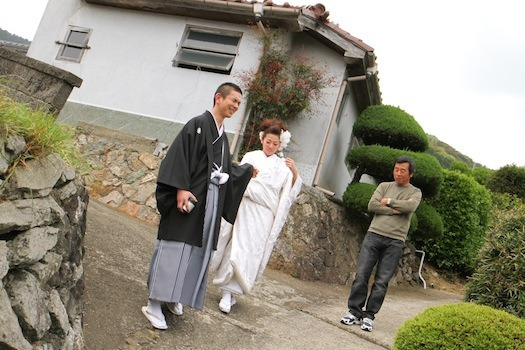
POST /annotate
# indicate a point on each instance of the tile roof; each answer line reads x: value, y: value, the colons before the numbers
x: 319, y: 13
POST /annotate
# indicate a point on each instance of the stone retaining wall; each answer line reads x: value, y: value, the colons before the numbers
x: 42, y: 226
x: 318, y: 242
x: 36, y: 83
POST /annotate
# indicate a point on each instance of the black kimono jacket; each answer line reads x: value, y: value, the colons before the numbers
x: 188, y: 165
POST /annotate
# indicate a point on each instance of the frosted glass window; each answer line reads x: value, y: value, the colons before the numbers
x: 208, y: 49
x: 73, y: 47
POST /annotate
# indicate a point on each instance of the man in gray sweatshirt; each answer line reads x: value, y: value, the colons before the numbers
x: 393, y: 204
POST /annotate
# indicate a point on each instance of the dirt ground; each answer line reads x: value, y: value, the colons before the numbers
x: 442, y: 280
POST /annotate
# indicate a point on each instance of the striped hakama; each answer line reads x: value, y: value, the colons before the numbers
x: 178, y: 271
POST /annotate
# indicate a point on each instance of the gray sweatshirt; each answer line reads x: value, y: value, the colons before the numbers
x: 404, y: 199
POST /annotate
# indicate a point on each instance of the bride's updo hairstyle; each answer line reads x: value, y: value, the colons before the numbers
x: 271, y: 126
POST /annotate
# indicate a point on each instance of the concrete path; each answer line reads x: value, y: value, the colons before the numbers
x: 282, y: 312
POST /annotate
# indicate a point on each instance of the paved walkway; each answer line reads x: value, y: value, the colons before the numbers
x: 281, y: 313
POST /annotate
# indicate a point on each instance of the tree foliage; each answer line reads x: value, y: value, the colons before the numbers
x: 446, y: 154
x: 499, y: 278
x: 482, y: 175
x: 390, y: 126
x: 461, y: 167
x: 464, y: 206
x: 508, y: 179
x: 430, y: 225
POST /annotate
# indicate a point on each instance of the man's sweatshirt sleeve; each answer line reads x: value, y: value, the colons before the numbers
x: 375, y: 206
x: 407, y: 205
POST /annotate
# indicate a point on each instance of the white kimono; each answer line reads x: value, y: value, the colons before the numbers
x: 243, y: 250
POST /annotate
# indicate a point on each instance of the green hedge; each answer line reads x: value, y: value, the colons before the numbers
x: 508, y: 179
x: 461, y: 167
x: 482, y: 175
x: 378, y: 162
x: 464, y: 206
x: 461, y: 326
x: 355, y: 200
x: 390, y: 126
x: 430, y: 225
x: 499, y: 278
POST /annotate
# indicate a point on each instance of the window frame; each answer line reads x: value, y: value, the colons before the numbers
x: 217, y: 49
x: 64, y: 45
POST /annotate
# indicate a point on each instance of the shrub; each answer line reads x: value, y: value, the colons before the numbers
x: 464, y: 207
x: 378, y: 162
x: 508, y: 179
x: 430, y: 225
x: 499, y: 278
x: 482, y: 175
x: 461, y: 326
x: 390, y: 126
x: 284, y: 86
x: 355, y: 201
x: 461, y: 167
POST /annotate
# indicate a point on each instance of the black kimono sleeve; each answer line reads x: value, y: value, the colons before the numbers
x: 240, y: 177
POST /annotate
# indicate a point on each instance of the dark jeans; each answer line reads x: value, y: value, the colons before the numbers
x: 384, y: 251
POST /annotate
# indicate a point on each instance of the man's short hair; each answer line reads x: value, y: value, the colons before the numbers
x: 225, y: 88
x: 410, y: 161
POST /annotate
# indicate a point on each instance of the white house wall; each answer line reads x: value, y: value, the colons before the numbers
x: 335, y: 175
x: 309, y: 129
x: 128, y: 67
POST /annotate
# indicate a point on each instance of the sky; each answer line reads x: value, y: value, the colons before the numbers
x: 455, y: 66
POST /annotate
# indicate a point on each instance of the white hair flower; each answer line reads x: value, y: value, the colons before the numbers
x: 285, y: 139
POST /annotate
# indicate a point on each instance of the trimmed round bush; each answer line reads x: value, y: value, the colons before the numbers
x: 390, y: 126
x: 461, y: 167
x: 378, y: 162
x: 430, y: 225
x: 461, y: 326
x: 499, y: 278
x: 355, y: 200
x: 464, y: 206
x: 508, y: 179
x: 482, y: 175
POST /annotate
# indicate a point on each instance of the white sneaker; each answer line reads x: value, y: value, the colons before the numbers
x: 226, y: 303
x: 350, y: 319
x: 175, y: 308
x: 367, y: 325
x: 157, y: 321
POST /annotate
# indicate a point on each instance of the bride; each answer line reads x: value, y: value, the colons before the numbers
x: 244, y: 248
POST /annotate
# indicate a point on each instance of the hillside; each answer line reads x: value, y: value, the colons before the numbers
x: 5, y: 35
x: 446, y: 154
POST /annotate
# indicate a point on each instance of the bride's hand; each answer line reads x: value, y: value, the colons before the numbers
x: 291, y: 164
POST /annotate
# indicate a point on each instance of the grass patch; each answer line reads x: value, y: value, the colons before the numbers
x: 43, y: 134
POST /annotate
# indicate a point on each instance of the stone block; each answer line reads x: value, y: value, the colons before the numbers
x: 11, y: 336
x: 130, y: 208
x: 15, y: 144
x: 40, y: 174
x: 115, y: 198
x: 136, y: 175
x: 4, y: 263
x: 29, y: 303
x: 19, y: 215
x: 59, y: 319
x: 47, y: 267
x: 30, y: 246
x: 144, y: 192
x: 149, y: 160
